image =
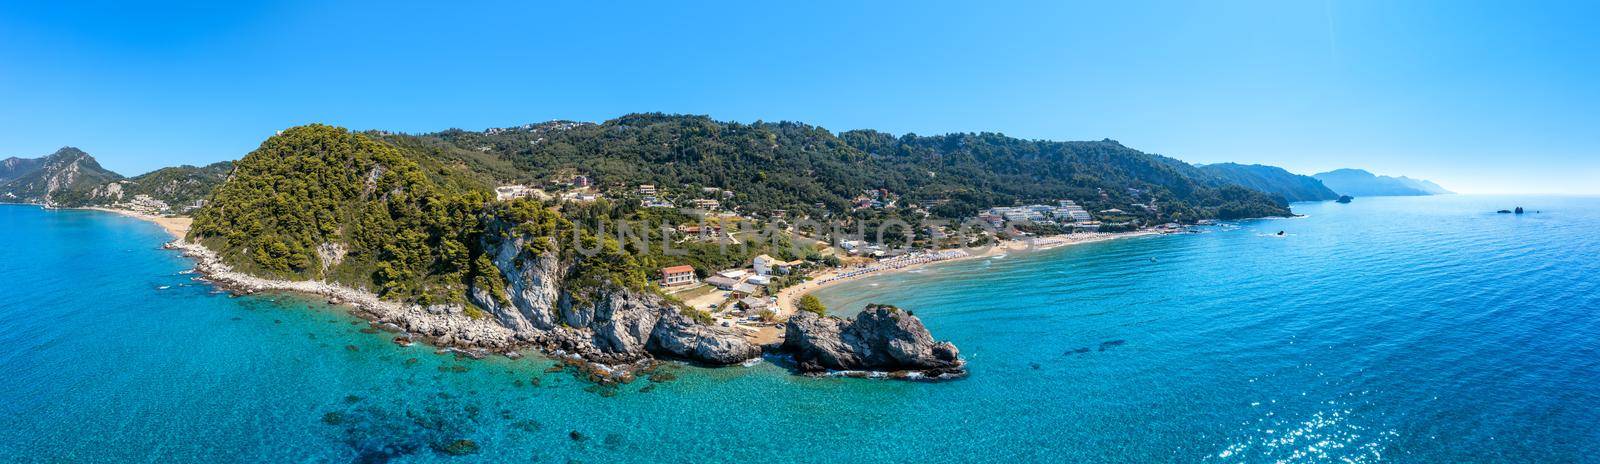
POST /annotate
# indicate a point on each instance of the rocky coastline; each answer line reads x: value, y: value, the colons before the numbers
x: 615, y: 332
x: 443, y: 326
x: 608, y: 340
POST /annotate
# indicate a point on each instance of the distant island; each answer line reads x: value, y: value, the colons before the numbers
x: 646, y: 236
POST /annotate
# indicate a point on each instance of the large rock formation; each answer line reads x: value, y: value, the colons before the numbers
x: 881, y: 338
x: 608, y: 324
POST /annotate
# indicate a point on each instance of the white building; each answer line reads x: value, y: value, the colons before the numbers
x: 763, y: 265
x: 512, y: 192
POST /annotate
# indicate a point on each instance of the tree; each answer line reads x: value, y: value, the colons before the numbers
x: 810, y: 303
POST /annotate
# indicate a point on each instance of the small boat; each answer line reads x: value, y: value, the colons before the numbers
x: 1280, y: 232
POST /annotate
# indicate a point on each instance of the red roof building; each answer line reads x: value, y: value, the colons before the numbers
x: 677, y: 275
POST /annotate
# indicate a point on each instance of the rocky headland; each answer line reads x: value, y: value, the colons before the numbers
x: 608, y: 332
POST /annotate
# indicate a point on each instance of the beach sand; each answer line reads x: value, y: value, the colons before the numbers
x: 788, y: 296
x: 177, y: 226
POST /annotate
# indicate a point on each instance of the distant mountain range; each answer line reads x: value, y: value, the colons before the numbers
x: 1320, y: 187
x: 1360, y: 183
x: 70, y: 177
x: 1272, y: 179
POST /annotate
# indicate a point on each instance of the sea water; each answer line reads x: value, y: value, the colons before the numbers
x: 1426, y: 329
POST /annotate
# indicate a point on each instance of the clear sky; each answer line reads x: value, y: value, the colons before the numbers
x: 1481, y: 97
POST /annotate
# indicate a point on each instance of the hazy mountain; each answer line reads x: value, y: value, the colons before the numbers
x: 1360, y: 183
x: 1424, y: 185
x: 68, y: 177
x: 1273, y: 180
x: 14, y: 167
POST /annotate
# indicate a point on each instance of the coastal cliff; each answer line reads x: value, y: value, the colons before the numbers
x: 607, y: 323
x: 616, y: 326
x: 882, y: 338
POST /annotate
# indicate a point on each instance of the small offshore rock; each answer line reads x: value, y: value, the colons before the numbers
x: 460, y: 447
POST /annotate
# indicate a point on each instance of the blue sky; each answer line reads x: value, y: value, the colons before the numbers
x: 1481, y: 97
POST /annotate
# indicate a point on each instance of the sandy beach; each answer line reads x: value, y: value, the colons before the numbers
x: 831, y: 277
x: 177, y: 226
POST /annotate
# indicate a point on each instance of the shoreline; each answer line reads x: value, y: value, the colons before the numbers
x: 176, y: 226
x: 449, y: 329
x: 441, y: 326
x: 835, y: 276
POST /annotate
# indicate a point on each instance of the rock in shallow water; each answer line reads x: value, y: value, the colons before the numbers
x: 460, y: 447
x: 881, y: 338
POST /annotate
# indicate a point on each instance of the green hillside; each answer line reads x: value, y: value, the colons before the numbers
x: 410, y: 216
x: 798, y: 167
x: 319, y: 202
x: 179, y: 185
x: 1273, y: 180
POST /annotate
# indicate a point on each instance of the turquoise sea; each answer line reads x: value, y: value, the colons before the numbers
x: 1421, y: 329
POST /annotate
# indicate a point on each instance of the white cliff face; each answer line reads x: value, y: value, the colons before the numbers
x: 108, y: 192
x: 533, y: 287
x: 330, y: 254
x: 610, y: 325
x: 61, y: 178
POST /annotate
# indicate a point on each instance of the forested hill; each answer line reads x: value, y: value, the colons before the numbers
x: 179, y: 185
x: 798, y: 167
x: 966, y: 172
x: 1273, y: 180
x: 317, y: 202
x: 321, y: 203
